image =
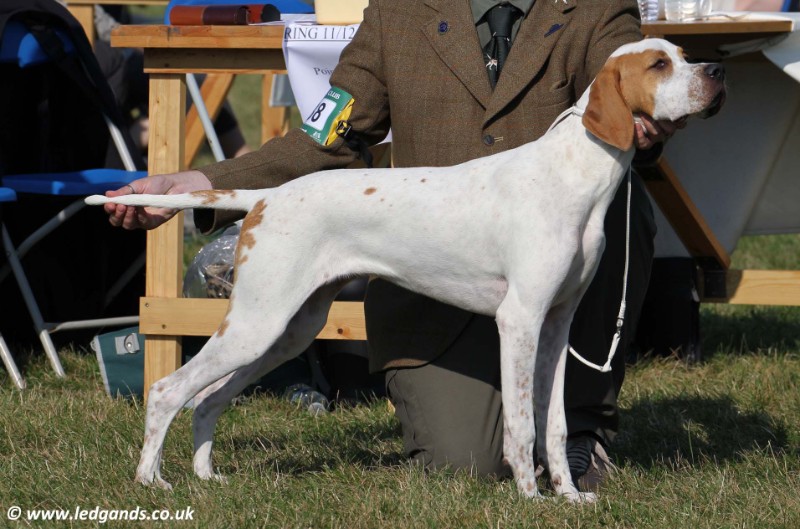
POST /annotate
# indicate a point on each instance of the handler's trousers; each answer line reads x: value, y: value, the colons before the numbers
x: 450, y: 409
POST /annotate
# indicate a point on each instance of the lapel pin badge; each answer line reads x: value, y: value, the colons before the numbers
x: 553, y: 29
x: 443, y: 26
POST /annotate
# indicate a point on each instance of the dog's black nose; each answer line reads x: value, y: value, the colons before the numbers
x: 715, y: 71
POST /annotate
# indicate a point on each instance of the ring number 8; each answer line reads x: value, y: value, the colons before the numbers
x: 319, y: 117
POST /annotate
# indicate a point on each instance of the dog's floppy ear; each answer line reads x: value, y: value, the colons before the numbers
x: 607, y: 115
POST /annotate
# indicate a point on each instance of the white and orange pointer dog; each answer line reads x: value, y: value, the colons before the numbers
x: 516, y: 235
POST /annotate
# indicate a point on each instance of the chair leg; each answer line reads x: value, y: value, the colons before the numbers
x: 11, y: 367
x: 212, y: 96
x: 30, y: 302
x: 46, y: 229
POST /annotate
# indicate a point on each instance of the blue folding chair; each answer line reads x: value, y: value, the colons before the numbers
x: 27, y: 46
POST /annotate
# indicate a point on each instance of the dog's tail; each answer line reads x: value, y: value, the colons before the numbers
x: 239, y: 200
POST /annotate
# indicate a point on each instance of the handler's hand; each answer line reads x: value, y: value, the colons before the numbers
x: 649, y: 132
x: 130, y: 217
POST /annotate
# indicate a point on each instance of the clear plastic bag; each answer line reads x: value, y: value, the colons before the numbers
x: 210, y: 275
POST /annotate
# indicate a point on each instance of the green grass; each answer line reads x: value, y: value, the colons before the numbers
x: 709, y: 445
x: 729, y: 328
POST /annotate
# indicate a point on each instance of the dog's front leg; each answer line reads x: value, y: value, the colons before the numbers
x: 519, y: 336
x: 549, y: 398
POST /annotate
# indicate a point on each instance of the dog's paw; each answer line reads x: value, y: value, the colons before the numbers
x: 580, y: 497
x: 162, y: 484
x: 212, y: 476
x: 220, y: 478
x: 151, y: 480
x: 204, y: 470
x: 528, y: 488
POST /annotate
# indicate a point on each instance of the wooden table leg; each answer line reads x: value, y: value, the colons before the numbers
x: 274, y: 120
x: 165, y: 244
x: 681, y: 212
x: 85, y: 15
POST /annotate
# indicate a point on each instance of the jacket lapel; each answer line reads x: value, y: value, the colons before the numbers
x: 532, y: 46
x: 458, y: 45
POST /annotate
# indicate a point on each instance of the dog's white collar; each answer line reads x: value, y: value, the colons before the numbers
x: 574, y: 109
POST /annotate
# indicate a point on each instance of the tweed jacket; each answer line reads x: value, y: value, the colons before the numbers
x: 417, y: 66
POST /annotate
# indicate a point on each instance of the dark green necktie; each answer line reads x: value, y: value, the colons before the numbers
x: 501, y: 20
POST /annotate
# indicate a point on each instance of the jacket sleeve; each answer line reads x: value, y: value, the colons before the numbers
x: 619, y: 24
x: 280, y: 160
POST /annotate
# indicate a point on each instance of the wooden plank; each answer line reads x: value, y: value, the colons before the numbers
x: 198, y: 60
x: 214, y: 90
x: 202, y: 317
x: 165, y: 149
x: 702, y: 40
x: 181, y: 316
x: 681, y: 212
x: 165, y: 244
x: 274, y: 120
x: 119, y: 2
x: 716, y: 27
x: 84, y: 14
x: 760, y: 287
x: 211, y: 37
x: 162, y: 36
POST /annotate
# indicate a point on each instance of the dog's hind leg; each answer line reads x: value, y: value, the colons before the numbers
x: 551, y: 419
x: 236, y: 344
x: 212, y: 401
x: 519, y: 326
x: 207, y: 411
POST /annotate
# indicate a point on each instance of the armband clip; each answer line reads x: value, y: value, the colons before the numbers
x: 343, y: 129
x: 353, y: 141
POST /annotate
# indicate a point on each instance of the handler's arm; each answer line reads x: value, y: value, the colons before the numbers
x: 359, y: 73
x: 619, y: 24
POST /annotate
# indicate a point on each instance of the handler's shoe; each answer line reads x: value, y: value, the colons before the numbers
x: 589, y: 463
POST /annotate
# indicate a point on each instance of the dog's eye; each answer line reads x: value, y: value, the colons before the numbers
x: 660, y: 64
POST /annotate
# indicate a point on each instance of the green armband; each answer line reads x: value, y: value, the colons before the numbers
x: 335, y: 107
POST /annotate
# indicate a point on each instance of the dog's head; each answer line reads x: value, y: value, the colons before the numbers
x: 651, y: 77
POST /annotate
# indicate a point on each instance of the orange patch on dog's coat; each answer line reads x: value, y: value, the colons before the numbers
x: 246, y: 237
x: 641, y: 94
x: 223, y: 327
x: 212, y: 196
x: 369, y: 190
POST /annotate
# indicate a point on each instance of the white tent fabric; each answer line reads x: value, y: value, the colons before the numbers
x: 742, y: 167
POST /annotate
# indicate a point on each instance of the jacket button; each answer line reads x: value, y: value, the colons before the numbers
x: 488, y: 139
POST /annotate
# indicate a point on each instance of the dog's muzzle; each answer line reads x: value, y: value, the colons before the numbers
x: 715, y: 72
